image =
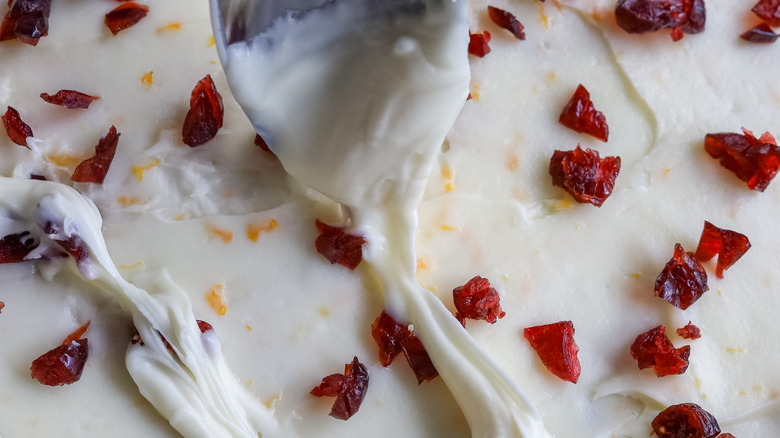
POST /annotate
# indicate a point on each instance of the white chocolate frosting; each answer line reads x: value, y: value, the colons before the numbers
x: 488, y: 209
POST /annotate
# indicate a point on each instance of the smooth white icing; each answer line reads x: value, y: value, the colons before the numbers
x: 488, y: 209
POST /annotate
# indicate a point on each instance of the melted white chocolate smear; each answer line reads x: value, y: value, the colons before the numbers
x: 487, y: 210
x: 377, y: 100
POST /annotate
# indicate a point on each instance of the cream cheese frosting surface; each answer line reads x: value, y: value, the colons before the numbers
x: 488, y: 209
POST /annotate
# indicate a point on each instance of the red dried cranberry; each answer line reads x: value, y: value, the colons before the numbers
x: 477, y: 300
x: 729, y: 245
x: 73, y: 245
x: 261, y: 143
x: 27, y: 20
x: 683, y: 279
x: 507, y: 21
x: 204, y: 326
x: 685, y: 420
x: 690, y: 331
x: 584, y: 175
x: 554, y: 343
x: 393, y: 338
x: 339, y: 247
x: 94, y: 169
x: 478, y: 43
x: 640, y: 16
x: 205, y: 115
x: 769, y: 11
x: 754, y: 160
x: 348, y: 388
x: 125, y: 15
x: 14, y: 248
x: 2, y: 306
x: 70, y: 99
x: 760, y: 34
x: 63, y: 365
x: 17, y: 130
x: 653, y: 349
x: 580, y: 115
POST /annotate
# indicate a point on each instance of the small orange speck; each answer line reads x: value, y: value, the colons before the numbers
x: 148, y: 79
x: 172, y: 26
x: 512, y: 161
x: 216, y: 299
x: 77, y: 334
x: 449, y: 187
x: 127, y: 201
x: 544, y: 18
x: 253, y: 230
x: 324, y: 311
x: 474, y: 90
x: 212, y: 43
x: 720, y: 292
x: 558, y: 5
x: 446, y: 172
x: 697, y: 381
x: 666, y: 172
x: 225, y: 235
x: 735, y: 350
x: 64, y: 160
x: 181, y: 217
x: 551, y: 77
x: 249, y: 327
x: 139, y: 170
x: 421, y: 264
x: 742, y: 393
x: 446, y: 227
x: 137, y: 264
x: 596, y: 14
x: 562, y: 204
x: 636, y: 275
x: 272, y: 401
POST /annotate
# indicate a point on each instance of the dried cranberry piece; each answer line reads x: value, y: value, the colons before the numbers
x: 683, y: 279
x: 690, y: 331
x: 204, y: 326
x: 653, y: 349
x: 640, y: 16
x: 685, y: 420
x: 2, y: 306
x: 261, y: 143
x: 580, y: 115
x: 348, y: 388
x: 507, y: 21
x: 339, y: 247
x: 63, y: 365
x: 477, y: 300
x: 754, y: 160
x: 27, y: 20
x: 760, y: 34
x: 769, y: 11
x: 205, y: 115
x: 393, y: 338
x: 17, y: 130
x: 14, y: 248
x: 584, y: 175
x: 554, y: 343
x: 94, y: 169
x: 729, y: 245
x: 478, y: 43
x: 125, y: 15
x: 73, y: 244
x: 70, y: 99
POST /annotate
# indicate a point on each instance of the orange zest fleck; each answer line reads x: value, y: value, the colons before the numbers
x: 170, y: 27
x: 212, y: 43
x: 139, y: 170
x: 446, y: 227
x: 225, y: 235
x: 474, y: 91
x: 148, y: 79
x: 545, y: 19
x: 216, y: 299
x: 253, y: 230
x: 127, y: 201
x: 64, y: 160
x: 137, y: 264
x: 181, y: 217
x: 512, y: 161
x: 77, y: 334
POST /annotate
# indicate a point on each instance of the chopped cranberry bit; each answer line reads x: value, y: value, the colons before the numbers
x: 2, y: 306
x: 580, y: 115
x: 478, y: 43
x: 584, y: 175
x: 261, y: 143
x: 63, y: 365
x: 393, y: 338
x: 653, y: 349
x: 14, y: 248
x: 69, y: 99
x: 640, y: 16
x: 27, y: 20
x: 338, y: 246
x: 73, y: 245
x: 554, y: 343
x: 760, y: 34
x: 125, y: 15
x: 348, y: 388
x: 477, y: 300
x: 17, y: 130
x: 38, y: 177
x: 94, y: 169
x: 769, y: 11
x: 685, y: 420
x: 205, y: 115
x: 204, y: 326
x: 729, y: 245
x: 690, y: 331
x: 754, y: 160
x: 507, y: 21
x: 683, y: 279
